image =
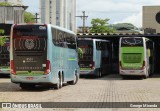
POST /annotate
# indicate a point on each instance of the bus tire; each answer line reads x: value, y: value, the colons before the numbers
x: 145, y: 77
x: 124, y: 77
x: 60, y: 83
x: 99, y: 73
x: 76, y: 78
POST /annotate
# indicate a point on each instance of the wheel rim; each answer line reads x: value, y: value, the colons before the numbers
x: 60, y: 81
x: 75, y: 78
x: 58, y: 84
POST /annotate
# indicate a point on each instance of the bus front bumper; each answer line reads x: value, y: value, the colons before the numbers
x: 133, y: 72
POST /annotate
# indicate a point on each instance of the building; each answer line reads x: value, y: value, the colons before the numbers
x: 59, y: 12
x: 151, y: 19
x: 14, y: 2
x: 12, y: 14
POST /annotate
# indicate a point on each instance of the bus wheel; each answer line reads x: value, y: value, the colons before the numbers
x: 60, y: 83
x: 123, y: 77
x: 145, y: 77
x: 99, y: 73
x: 26, y: 86
x: 74, y: 81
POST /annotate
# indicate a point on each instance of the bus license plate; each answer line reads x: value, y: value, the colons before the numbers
x: 29, y: 78
x: 132, y: 71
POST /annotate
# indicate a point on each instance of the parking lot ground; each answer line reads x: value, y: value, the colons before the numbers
x: 111, y: 88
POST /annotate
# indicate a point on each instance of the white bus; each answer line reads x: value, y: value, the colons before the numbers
x: 96, y: 56
x: 43, y: 54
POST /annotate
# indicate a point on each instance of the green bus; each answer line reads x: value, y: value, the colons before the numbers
x: 136, y: 56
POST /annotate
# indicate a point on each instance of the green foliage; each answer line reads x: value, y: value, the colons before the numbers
x: 28, y: 17
x: 2, y: 31
x: 5, y: 4
x: 100, y: 26
x: 127, y: 26
x: 3, y: 39
x: 80, y: 53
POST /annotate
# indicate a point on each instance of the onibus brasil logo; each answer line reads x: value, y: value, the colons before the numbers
x: 21, y: 105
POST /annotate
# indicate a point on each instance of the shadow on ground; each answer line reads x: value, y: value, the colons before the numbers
x: 116, y: 77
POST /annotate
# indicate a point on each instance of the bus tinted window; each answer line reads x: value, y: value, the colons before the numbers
x: 101, y: 45
x: 63, y: 39
x: 133, y: 42
x: 4, y: 53
x: 86, y: 46
x: 29, y: 30
x: 29, y: 37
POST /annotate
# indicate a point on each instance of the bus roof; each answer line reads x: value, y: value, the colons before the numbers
x: 132, y: 37
x: 56, y: 27
x: 92, y: 39
x: 136, y: 37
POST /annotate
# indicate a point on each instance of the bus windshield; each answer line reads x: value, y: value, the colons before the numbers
x: 30, y: 30
x: 132, y: 42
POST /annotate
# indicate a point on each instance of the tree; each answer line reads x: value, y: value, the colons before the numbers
x: 5, y: 4
x: 3, y: 39
x: 126, y: 26
x: 29, y: 17
x: 100, y: 26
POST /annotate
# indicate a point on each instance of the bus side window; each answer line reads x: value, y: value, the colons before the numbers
x: 71, y: 42
x: 64, y: 40
x: 98, y: 45
x: 54, y: 38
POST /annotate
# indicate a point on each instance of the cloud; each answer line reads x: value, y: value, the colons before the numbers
x: 33, y: 6
x: 135, y: 19
x: 118, y: 11
x: 108, y: 6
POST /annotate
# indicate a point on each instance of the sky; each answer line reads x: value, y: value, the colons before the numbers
x: 118, y: 11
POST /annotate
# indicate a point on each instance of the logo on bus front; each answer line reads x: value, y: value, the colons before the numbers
x: 29, y: 44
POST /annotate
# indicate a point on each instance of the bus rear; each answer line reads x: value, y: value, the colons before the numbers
x: 132, y: 56
x: 86, y: 63
x: 29, y: 53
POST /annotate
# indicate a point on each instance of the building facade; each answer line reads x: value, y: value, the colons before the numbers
x: 12, y: 14
x: 59, y: 12
x: 14, y: 2
x: 151, y: 19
